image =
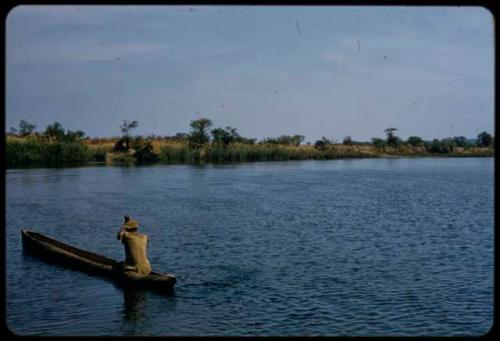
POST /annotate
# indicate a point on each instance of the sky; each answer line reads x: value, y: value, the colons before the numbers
x: 331, y: 71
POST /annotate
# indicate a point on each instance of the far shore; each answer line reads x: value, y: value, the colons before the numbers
x: 31, y: 152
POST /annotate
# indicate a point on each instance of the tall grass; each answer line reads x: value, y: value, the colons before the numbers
x: 239, y: 152
x: 34, y: 153
x: 38, y: 152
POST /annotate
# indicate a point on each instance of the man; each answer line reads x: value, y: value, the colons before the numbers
x: 136, y: 264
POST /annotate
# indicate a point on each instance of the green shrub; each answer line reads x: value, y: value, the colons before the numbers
x: 144, y: 151
x: 98, y: 155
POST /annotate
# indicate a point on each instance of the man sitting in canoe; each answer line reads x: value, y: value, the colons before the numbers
x: 136, y: 262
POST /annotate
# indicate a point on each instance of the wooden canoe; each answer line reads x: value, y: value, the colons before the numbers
x: 52, y: 250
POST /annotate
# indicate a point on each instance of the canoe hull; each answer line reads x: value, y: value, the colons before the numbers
x: 53, y: 251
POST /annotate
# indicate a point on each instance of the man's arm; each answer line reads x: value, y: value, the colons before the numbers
x: 120, y: 234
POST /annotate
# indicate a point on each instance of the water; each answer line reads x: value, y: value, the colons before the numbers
x: 348, y: 247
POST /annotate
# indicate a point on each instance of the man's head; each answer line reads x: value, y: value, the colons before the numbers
x: 130, y: 225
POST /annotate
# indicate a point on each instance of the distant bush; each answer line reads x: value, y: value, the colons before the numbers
x: 144, y: 151
x: 441, y: 146
x: 461, y: 141
x: 199, y: 133
x: 287, y: 140
x: 392, y: 139
x: 484, y: 140
x: 123, y: 144
x: 378, y: 143
x: 415, y: 141
x: 323, y: 143
x: 97, y: 155
x: 26, y: 128
x: 347, y: 141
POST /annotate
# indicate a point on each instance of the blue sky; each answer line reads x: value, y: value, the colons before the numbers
x: 267, y: 71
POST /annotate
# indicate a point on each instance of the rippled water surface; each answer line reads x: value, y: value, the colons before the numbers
x: 345, y: 247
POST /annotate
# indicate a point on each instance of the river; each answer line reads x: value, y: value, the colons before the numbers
x: 365, y: 247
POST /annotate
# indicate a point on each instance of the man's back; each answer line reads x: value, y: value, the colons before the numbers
x: 135, y: 252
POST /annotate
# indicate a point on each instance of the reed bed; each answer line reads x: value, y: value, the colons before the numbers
x: 34, y: 151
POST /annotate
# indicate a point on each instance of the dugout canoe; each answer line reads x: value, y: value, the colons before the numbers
x: 36, y: 244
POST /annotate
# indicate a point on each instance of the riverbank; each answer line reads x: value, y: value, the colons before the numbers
x: 30, y: 151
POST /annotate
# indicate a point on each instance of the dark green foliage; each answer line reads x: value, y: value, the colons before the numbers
x: 123, y: 144
x: 72, y: 136
x: 323, y: 143
x: 395, y: 142
x: 286, y: 140
x: 392, y: 140
x: 98, y: 155
x: 144, y: 151
x: 484, y: 140
x: 347, y: 141
x: 435, y: 146
x: 415, y: 141
x: 170, y: 154
x: 443, y: 146
x: 378, y: 143
x: 26, y: 128
x: 460, y: 141
x: 54, y: 131
x: 127, y: 126
x: 225, y: 136
x: 199, y: 133
x: 33, y: 153
x: 19, y: 154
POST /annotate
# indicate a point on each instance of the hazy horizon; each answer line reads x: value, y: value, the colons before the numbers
x: 268, y: 71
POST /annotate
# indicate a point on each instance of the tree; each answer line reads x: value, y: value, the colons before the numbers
x: 225, y: 136
x: 294, y: 140
x: 415, y: 141
x: 347, y: 141
x: 297, y: 139
x: 392, y: 140
x: 26, y: 128
x: 460, y: 141
x: 199, y: 134
x: 448, y: 144
x: 72, y: 136
x: 54, y: 131
x: 441, y: 146
x: 484, y: 140
x: 127, y: 126
x: 435, y: 146
x: 123, y: 144
x: 143, y: 151
x: 323, y: 143
x: 378, y: 143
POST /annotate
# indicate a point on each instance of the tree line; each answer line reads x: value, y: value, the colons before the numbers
x: 203, y: 135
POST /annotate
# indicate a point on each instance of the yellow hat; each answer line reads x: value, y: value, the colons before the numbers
x: 130, y: 224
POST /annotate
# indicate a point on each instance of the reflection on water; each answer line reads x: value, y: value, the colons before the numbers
x: 134, y: 304
x: 140, y: 307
